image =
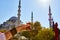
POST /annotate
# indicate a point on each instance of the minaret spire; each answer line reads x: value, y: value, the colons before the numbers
x: 50, y: 18
x: 32, y: 20
x: 19, y: 11
x: 32, y: 17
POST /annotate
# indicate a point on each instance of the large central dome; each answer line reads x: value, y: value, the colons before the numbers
x: 13, y: 19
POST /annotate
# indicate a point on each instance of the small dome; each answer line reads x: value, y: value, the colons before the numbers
x: 13, y: 19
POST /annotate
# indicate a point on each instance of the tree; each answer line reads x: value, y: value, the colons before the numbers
x: 45, y: 34
x: 37, y: 25
x: 27, y: 34
x: 3, y: 31
x: 30, y: 34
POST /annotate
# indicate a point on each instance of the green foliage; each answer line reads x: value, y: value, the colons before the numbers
x: 3, y: 31
x: 26, y: 34
x: 39, y: 33
x: 34, y: 32
x: 37, y: 25
x: 30, y: 34
x: 45, y: 34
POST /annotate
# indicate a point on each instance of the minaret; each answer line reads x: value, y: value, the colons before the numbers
x: 32, y: 20
x: 19, y: 11
x: 50, y: 18
x: 32, y: 17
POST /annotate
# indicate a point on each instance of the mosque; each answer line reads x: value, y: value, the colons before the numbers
x: 13, y: 21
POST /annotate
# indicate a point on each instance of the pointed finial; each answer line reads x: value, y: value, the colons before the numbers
x: 32, y: 19
x: 31, y: 16
x: 49, y: 9
x: 19, y: 4
x: 50, y: 17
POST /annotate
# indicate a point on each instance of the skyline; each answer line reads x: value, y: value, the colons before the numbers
x: 10, y: 7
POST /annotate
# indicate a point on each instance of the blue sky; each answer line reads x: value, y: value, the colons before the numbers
x: 8, y: 8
